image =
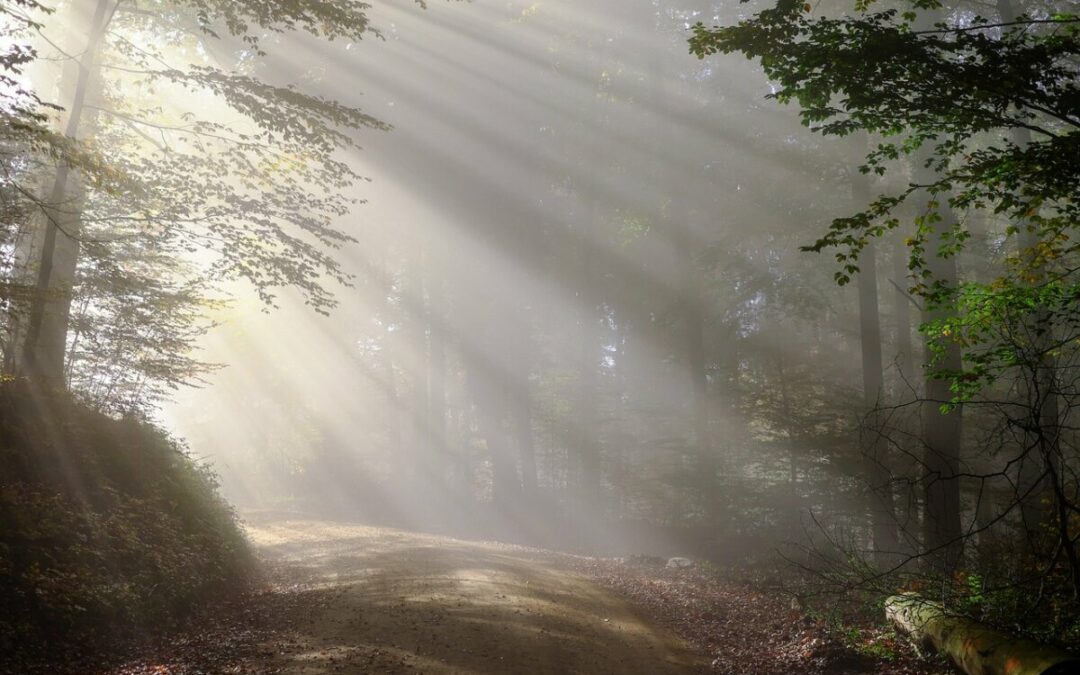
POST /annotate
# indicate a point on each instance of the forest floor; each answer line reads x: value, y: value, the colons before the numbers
x: 349, y: 599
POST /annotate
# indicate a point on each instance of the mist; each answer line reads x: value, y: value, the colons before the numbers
x: 572, y: 267
x: 699, y: 314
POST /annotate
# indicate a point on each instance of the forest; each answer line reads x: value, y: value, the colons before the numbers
x: 539, y: 337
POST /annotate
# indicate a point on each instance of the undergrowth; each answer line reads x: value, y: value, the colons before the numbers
x: 107, y: 528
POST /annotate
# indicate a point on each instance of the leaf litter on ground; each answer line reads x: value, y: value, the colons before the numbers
x: 747, y: 630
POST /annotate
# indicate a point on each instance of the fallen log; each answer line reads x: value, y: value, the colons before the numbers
x: 973, y: 647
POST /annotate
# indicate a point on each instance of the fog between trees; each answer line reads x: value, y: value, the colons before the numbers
x: 536, y: 272
x: 576, y: 286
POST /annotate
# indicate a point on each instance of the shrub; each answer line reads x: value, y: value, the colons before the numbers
x: 105, y: 525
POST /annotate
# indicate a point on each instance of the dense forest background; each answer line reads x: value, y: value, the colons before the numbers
x: 577, y: 275
x: 550, y: 311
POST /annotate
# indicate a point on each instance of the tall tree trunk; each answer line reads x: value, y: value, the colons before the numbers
x: 436, y: 378
x: 45, y: 340
x: 422, y: 468
x: 905, y: 387
x: 942, y: 433
x: 874, y: 447
x: 490, y: 393
x: 902, y: 303
x: 584, y: 423
x: 1041, y: 441
x: 523, y: 429
x: 693, y: 320
x: 585, y: 438
x: 394, y: 420
x: 794, y: 513
x: 389, y: 360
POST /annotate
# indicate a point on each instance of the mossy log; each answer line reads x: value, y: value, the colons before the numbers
x: 971, y: 646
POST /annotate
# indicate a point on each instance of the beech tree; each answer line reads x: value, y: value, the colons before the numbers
x: 980, y: 114
x: 144, y: 164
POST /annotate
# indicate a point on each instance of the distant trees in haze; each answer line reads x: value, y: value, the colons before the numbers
x: 640, y: 337
x: 611, y: 342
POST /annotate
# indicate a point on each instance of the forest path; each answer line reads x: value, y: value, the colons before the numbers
x: 398, y: 602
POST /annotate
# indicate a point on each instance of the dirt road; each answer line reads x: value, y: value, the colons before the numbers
x: 405, y: 603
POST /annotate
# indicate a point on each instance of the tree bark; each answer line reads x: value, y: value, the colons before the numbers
x: 415, y: 355
x: 490, y: 393
x: 902, y: 302
x: 942, y: 433
x: 696, y: 368
x: 878, y: 476
x: 1041, y: 446
x: 971, y: 646
x: 436, y: 378
x: 45, y: 341
x: 874, y: 446
x: 523, y: 429
x: 584, y: 436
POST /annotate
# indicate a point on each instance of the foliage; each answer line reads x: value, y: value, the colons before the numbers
x: 135, y: 324
x: 746, y: 625
x: 1007, y: 327
x: 168, y: 204
x: 979, y: 118
x: 939, y: 88
x: 988, y: 110
x: 107, y: 525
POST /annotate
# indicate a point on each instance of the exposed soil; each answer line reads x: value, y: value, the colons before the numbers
x: 349, y: 599
x: 374, y: 600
